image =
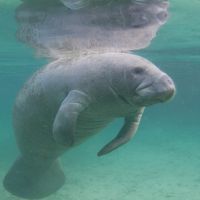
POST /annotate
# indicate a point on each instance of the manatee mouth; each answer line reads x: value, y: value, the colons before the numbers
x: 141, y: 92
x: 151, y: 92
x: 143, y: 86
x: 142, y: 100
x: 150, y: 99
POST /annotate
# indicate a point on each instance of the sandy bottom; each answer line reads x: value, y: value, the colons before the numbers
x: 159, y: 164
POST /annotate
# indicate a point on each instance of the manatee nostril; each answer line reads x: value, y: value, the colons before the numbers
x: 167, y: 80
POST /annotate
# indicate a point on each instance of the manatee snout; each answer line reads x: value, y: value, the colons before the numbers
x: 155, y: 90
x: 166, y: 88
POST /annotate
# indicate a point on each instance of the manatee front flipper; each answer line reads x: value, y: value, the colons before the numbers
x: 126, y: 133
x: 65, y: 121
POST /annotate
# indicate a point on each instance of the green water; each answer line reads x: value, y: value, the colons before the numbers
x: 162, y: 161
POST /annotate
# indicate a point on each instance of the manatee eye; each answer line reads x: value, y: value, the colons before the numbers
x: 138, y: 70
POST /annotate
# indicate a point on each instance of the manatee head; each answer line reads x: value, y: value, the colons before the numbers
x: 145, y: 84
x: 154, y: 88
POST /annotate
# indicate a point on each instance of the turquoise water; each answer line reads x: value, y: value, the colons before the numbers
x: 162, y: 161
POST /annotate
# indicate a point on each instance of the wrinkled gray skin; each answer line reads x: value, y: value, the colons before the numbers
x: 66, y: 102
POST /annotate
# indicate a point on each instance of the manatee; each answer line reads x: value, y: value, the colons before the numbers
x: 68, y: 101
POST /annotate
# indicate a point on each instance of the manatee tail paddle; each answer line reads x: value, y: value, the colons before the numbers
x: 34, y: 180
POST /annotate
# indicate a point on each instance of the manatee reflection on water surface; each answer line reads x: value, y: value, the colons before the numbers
x: 56, y: 28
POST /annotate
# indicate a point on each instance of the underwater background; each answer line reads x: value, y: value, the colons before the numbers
x: 163, y: 159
